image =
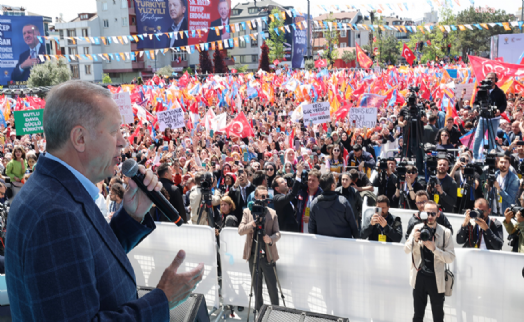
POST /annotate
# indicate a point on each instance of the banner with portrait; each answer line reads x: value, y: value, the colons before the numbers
x: 177, y: 23
x: 19, y: 48
x: 299, y: 43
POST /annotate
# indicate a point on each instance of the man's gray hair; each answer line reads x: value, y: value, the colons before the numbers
x: 68, y: 105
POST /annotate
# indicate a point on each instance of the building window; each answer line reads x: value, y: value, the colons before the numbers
x: 85, y: 33
x: 84, y: 17
x: 343, y: 45
x: 343, y: 34
x: 254, y: 58
x: 88, y: 69
x: 242, y: 42
x: 104, y: 6
x: 235, y: 12
x: 61, y: 33
x: 75, y: 71
x: 124, y: 4
x: 133, y: 20
x: 253, y: 10
x: 62, y: 50
x: 243, y: 59
x: 106, y: 23
x: 124, y: 22
x: 71, y: 33
x: 180, y: 55
x: 264, y: 25
x: 254, y: 43
x: 86, y: 50
x: 73, y: 51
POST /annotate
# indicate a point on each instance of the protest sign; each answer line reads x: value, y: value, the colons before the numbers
x: 123, y: 100
x: 316, y: 113
x: 363, y: 117
x: 469, y: 90
x: 173, y: 119
x: 29, y: 122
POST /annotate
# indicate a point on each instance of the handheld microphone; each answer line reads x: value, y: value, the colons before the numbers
x: 130, y: 169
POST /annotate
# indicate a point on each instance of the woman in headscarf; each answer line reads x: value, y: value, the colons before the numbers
x: 271, y: 172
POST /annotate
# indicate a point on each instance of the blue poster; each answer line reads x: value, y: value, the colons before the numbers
x: 19, y: 48
x: 299, y: 43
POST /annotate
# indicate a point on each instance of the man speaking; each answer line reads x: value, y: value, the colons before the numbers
x: 63, y: 261
x: 28, y: 58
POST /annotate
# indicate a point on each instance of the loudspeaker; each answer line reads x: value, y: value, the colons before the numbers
x: 271, y: 313
x: 194, y: 309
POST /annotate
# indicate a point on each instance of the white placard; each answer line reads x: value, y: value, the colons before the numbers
x: 124, y: 105
x: 173, y: 119
x: 363, y: 117
x: 316, y: 113
x: 469, y: 91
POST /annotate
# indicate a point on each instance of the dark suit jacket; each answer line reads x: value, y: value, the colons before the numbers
x: 236, y: 196
x: 212, y: 35
x: 498, y: 98
x: 19, y: 76
x: 285, y: 212
x: 175, y: 198
x: 64, y: 262
x: 178, y: 42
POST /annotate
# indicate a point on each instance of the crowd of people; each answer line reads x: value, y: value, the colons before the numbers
x: 314, y: 178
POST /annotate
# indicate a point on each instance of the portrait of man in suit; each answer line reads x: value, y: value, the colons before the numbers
x: 223, y: 11
x: 177, y: 12
x: 28, y: 58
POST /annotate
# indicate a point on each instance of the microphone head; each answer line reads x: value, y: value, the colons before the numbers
x: 130, y: 168
x: 231, y: 221
x: 250, y: 205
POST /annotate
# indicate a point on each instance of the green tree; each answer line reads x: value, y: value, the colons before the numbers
x: 474, y: 42
x: 106, y: 79
x: 188, y: 70
x: 276, y: 41
x: 49, y: 73
x: 166, y: 71
x: 331, y: 36
x: 349, y: 56
x: 240, y: 68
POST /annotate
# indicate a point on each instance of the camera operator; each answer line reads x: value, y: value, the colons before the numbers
x: 272, y: 235
x: 431, y: 247
x: 195, y: 197
x: 461, y: 180
x: 498, y: 99
x: 331, y: 214
x: 285, y: 200
x: 240, y: 192
x: 420, y: 200
x: 386, y: 180
x: 411, y: 187
x: 351, y: 194
x: 382, y: 226
x: 447, y: 187
x: 515, y: 230
x: 487, y: 232
x: 430, y: 130
x: 305, y: 197
x: 507, y: 185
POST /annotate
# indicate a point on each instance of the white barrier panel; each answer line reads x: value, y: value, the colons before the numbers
x: 366, y: 281
x: 456, y: 221
x: 157, y: 251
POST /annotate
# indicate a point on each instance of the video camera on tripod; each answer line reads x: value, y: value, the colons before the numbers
x: 205, y: 188
x: 416, y: 111
x: 483, y: 101
x: 491, y: 162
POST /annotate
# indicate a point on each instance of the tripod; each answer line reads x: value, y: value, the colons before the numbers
x: 485, y: 117
x: 491, y: 195
x: 411, y: 147
x: 404, y: 199
x: 206, y: 208
x: 469, y: 194
x: 260, y: 233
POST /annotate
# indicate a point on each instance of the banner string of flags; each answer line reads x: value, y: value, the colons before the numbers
x: 392, y: 6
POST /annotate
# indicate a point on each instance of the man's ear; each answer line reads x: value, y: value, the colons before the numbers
x: 78, y: 138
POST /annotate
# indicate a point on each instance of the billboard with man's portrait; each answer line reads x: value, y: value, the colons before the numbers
x: 19, y: 48
x: 183, y: 19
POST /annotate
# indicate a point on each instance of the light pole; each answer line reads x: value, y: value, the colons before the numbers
x: 309, y: 31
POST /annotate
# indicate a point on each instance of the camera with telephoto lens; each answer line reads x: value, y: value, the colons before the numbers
x: 476, y: 213
x: 205, y: 188
x: 426, y: 232
x: 258, y: 210
x: 483, y: 100
x: 491, y: 163
x: 514, y: 209
x: 401, y: 171
x: 304, y: 177
x: 382, y: 164
x: 416, y: 111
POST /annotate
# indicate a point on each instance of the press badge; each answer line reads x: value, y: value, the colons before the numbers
x: 307, y: 212
x: 459, y: 192
x: 500, y: 199
x: 381, y: 238
x: 436, y: 198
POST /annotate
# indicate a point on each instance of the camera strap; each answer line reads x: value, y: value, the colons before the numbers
x: 413, y: 258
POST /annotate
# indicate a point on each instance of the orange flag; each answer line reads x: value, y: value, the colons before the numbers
x: 363, y: 59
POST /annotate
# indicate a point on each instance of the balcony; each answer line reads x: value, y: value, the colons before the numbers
x: 131, y: 9
x: 134, y: 46
x: 132, y: 29
x: 138, y: 65
x: 182, y: 64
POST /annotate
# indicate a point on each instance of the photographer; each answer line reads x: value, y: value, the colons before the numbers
x: 331, y: 214
x: 351, y: 194
x: 446, y: 188
x: 195, y: 197
x: 386, y: 180
x: 382, y: 226
x: 240, y: 192
x: 498, y: 99
x: 285, y: 199
x: 430, y: 252
x: 461, y: 178
x: 410, y: 187
x: 360, y: 181
x: 361, y: 159
x: 268, y: 245
x: 487, y: 232
x: 515, y: 230
x: 305, y: 197
x: 420, y: 200
x: 507, y: 185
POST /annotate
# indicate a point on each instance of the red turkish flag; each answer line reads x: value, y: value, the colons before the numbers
x: 184, y: 80
x: 239, y: 127
x: 321, y: 63
x: 505, y: 71
x: 363, y: 59
x: 424, y: 92
x: 276, y: 62
x: 342, y: 112
x: 408, y: 54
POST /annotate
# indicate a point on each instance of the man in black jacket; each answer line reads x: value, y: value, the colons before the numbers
x: 487, y: 232
x: 383, y: 226
x: 420, y: 200
x: 352, y: 195
x: 331, y: 214
x: 284, y: 200
x: 386, y: 180
x: 447, y: 189
x: 175, y: 195
x: 240, y: 192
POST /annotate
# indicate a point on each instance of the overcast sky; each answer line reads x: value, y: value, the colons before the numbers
x: 70, y: 9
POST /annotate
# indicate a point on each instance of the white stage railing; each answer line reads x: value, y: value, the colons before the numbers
x: 156, y: 252
x: 367, y: 281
